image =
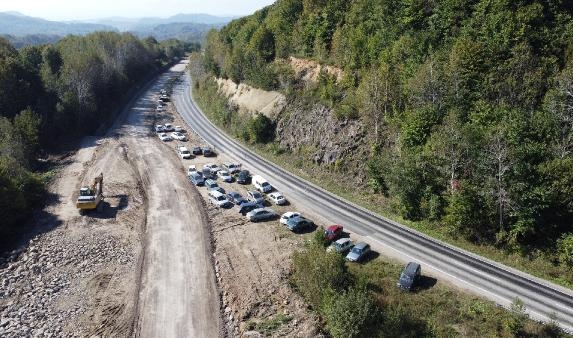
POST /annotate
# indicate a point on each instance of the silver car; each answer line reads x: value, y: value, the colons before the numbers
x: 261, y: 214
x: 358, y: 252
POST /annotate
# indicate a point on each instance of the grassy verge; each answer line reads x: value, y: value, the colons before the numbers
x: 535, y: 263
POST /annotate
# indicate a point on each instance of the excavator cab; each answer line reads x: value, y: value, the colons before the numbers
x: 90, y: 198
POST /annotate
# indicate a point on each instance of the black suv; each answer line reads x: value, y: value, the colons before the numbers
x: 197, y: 151
x: 208, y: 152
x: 410, y: 276
x: 243, y: 177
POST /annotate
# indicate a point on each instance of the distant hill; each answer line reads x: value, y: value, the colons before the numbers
x: 131, y: 24
x: 23, y: 30
x: 18, y: 25
x: 189, y: 32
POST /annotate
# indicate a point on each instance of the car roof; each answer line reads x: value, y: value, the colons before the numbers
x: 276, y: 193
x: 334, y: 227
x: 343, y: 240
x: 361, y: 245
x: 290, y: 213
x: 411, y: 267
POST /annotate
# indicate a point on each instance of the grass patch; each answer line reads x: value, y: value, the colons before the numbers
x: 270, y: 325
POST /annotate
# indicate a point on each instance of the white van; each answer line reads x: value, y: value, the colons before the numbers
x: 218, y: 199
x: 261, y: 184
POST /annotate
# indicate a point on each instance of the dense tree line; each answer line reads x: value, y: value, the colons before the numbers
x: 59, y: 91
x: 469, y: 103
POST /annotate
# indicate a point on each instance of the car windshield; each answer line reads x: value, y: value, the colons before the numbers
x: 256, y: 195
x: 406, y: 277
x: 265, y: 184
x: 359, y: 251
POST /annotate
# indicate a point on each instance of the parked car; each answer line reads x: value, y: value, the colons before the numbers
x: 192, y: 169
x: 168, y: 127
x: 410, y: 276
x: 236, y: 198
x: 255, y: 196
x: 219, y: 199
x: 244, y: 177
x: 196, y: 178
x: 208, y: 152
x: 178, y: 136
x: 340, y: 245
x: 231, y: 167
x: 197, y: 151
x: 219, y: 189
x: 178, y: 129
x: 159, y: 128
x: 207, y: 173
x: 212, y: 166
x: 183, y: 152
x: 277, y: 198
x: 210, y: 184
x: 262, y: 184
x: 260, y: 214
x: 225, y: 176
x: 248, y: 206
x: 159, y: 108
x: 358, y: 252
x: 299, y: 223
x: 333, y: 232
x: 164, y: 137
x: 288, y: 215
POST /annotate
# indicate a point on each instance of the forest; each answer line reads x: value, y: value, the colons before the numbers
x: 56, y: 93
x: 468, y: 104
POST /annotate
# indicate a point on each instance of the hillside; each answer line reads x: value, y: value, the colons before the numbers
x: 20, y: 25
x: 464, y: 107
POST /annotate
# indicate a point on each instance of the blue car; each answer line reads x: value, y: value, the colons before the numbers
x: 298, y: 224
x: 236, y: 198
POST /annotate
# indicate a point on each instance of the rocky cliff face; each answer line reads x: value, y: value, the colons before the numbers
x: 314, y: 132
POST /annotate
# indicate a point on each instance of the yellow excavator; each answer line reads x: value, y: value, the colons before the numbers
x: 90, y: 198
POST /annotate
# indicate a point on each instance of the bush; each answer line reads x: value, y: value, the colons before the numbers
x: 261, y: 129
x: 318, y: 273
x: 349, y: 313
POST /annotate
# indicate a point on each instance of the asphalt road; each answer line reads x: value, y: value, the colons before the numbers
x: 543, y: 300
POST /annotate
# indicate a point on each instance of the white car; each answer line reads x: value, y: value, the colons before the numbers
x: 231, y: 167
x: 159, y: 108
x: 183, y: 152
x: 192, y: 169
x: 178, y: 136
x: 178, y: 129
x: 164, y: 137
x: 213, y: 167
x: 225, y: 176
x: 277, y: 198
x: 159, y: 128
x: 168, y: 127
x: 288, y: 215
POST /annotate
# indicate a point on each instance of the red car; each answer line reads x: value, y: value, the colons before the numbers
x: 333, y: 232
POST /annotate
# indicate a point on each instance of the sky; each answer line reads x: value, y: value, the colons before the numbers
x: 95, y: 9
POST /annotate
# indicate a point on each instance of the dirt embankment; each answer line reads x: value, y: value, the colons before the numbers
x: 250, y: 99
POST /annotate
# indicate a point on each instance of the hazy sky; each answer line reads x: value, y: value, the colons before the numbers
x: 90, y: 9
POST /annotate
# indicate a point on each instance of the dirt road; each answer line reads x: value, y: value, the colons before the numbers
x: 178, y: 296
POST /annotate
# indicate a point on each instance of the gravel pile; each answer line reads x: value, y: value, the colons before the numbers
x: 43, y: 286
